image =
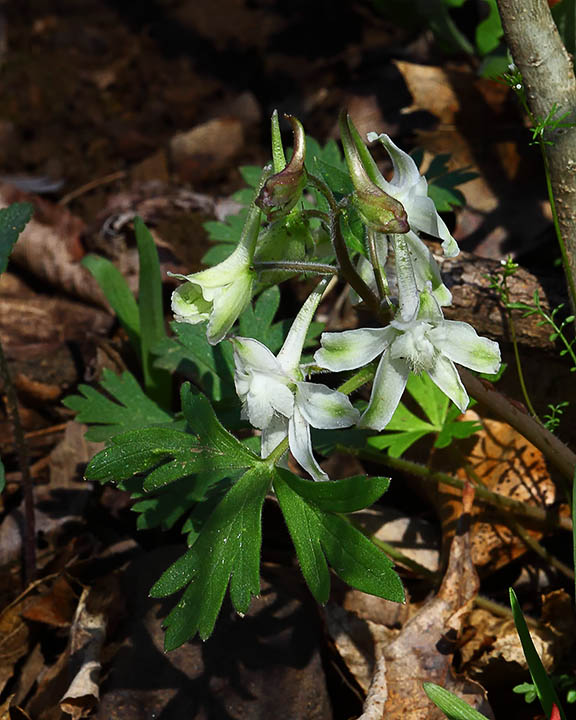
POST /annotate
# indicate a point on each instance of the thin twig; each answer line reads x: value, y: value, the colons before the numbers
x: 551, y: 446
x: 21, y: 446
x: 92, y: 185
x: 411, y: 468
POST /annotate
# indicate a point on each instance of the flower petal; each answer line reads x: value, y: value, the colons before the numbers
x: 228, y: 305
x: 422, y: 215
x: 289, y: 355
x: 323, y: 407
x: 406, y: 174
x: 408, y: 291
x: 352, y: 348
x: 189, y: 305
x: 461, y: 343
x: 252, y: 355
x: 301, y: 445
x: 257, y: 401
x: 389, y: 384
x: 272, y: 436
x: 446, y: 377
x: 426, y: 270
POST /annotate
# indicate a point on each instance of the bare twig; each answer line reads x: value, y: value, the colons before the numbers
x: 24, y: 462
x: 552, y: 447
x: 550, y: 86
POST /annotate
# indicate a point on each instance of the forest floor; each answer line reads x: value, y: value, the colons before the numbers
x: 114, y: 109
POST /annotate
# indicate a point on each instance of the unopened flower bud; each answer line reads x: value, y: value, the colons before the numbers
x: 282, y: 191
x: 381, y: 212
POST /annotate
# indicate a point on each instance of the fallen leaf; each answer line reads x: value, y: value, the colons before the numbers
x: 14, y: 641
x: 50, y: 246
x: 507, y: 464
x: 423, y: 649
x: 54, y: 607
x: 207, y: 149
x: 492, y: 653
x: 473, y: 125
x: 87, y: 636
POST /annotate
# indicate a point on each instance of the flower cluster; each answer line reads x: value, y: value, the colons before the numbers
x: 277, y: 396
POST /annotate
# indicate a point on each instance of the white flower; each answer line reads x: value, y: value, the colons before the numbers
x: 219, y: 295
x: 411, y: 189
x: 276, y: 398
x: 425, y: 343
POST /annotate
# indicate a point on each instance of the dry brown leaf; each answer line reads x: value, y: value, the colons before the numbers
x: 207, y: 149
x: 474, y: 127
x: 54, y: 607
x: 505, y: 463
x: 423, y: 649
x: 9, y: 711
x: 492, y: 652
x: 28, y: 674
x: 86, y: 640
x: 50, y: 246
x: 14, y: 636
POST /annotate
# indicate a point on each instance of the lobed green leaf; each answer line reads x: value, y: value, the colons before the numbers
x: 13, y: 220
x: 127, y: 408
x: 321, y: 537
x: 226, y: 551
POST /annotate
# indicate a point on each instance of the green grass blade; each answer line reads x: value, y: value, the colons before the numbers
x: 118, y: 294
x: 152, y: 329
x: 2, y: 477
x: 546, y: 692
x: 452, y: 706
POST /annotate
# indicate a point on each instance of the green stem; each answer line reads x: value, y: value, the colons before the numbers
x: 569, y: 276
x: 403, y: 559
x: 321, y: 186
x: 349, y: 271
x: 519, y: 370
x: 380, y: 281
x: 313, y: 213
x: 411, y: 468
x: 359, y: 378
x: 526, y: 538
x: 300, y: 267
x: 277, y: 453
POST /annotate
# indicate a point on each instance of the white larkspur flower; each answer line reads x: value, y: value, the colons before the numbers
x: 411, y: 189
x: 277, y: 400
x: 425, y: 343
x: 220, y: 294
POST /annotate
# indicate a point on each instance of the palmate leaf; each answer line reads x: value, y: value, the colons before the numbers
x: 189, y: 353
x: 405, y: 428
x: 213, y: 438
x: 227, y: 552
x: 128, y: 407
x: 321, y: 536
